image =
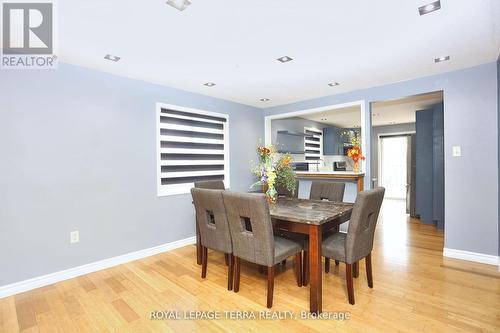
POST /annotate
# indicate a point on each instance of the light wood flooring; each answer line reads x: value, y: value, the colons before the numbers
x: 415, y: 290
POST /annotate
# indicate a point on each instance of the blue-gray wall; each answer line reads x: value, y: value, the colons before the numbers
x: 386, y: 129
x: 79, y: 153
x: 470, y: 112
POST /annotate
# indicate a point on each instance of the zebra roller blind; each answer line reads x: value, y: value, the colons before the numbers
x: 192, y: 146
x: 313, y: 144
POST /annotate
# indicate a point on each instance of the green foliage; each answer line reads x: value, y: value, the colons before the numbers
x: 285, y: 176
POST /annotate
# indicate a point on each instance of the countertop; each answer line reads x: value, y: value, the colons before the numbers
x: 330, y: 173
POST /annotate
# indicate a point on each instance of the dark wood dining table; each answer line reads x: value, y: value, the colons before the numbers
x: 311, y: 218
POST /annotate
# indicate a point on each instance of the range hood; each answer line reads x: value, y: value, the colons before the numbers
x: 290, y: 142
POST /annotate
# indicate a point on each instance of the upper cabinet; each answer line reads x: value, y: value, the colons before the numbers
x: 335, y: 139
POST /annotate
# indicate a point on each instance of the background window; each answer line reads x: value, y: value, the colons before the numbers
x: 192, y: 146
x: 313, y: 144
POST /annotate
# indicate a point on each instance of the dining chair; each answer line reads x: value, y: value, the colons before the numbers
x: 253, y: 240
x: 357, y: 243
x: 329, y: 191
x: 213, y: 185
x: 214, y: 228
x: 210, y: 184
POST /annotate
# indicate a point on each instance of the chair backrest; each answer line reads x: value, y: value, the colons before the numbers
x: 327, y: 191
x: 210, y: 184
x: 251, y: 227
x: 212, y: 220
x: 284, y: 192
x: 359, y: 240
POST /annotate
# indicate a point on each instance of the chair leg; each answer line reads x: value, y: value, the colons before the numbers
x: 369, y: 276
x: 204, y: 260
x: 230, y: 272
x: 236, y: 286
x: 350, y: 288
x: 337, y: 262
x: 270, y: 286
x: 298, y: 268
x: 327, y: 265
x: 226, y: 259
x: 261, y: 269
x: 305, y: 268
x: 355, y: 269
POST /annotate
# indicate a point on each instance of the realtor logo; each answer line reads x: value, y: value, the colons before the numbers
x: 28, y: 35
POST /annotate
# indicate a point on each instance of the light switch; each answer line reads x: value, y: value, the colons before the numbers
x: 457, y: 151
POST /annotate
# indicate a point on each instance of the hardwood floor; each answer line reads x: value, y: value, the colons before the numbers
x: 415, y: 289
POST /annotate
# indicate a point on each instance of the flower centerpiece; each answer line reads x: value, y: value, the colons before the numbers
x: 355, y: 151
x: 273, y: 170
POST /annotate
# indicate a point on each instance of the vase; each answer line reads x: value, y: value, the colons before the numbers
x: 355, y: 166
x: 270, y: 198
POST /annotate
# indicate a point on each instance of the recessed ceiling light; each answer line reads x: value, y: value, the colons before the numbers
x: 441, y: 59
x: 392, y: 122
x: 111, y: 57
x: 429, y: 8
x: 209, y: 84
x: 264, y: 99
x: 333, y: 84
x: 284, y: 59
x: 324, y: 119
x: 179, y: 4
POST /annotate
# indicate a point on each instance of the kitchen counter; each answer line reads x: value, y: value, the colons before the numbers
x: 357, y: 177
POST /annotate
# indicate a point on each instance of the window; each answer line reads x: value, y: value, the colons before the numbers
x: 192, y: 146
x: 313, y: 143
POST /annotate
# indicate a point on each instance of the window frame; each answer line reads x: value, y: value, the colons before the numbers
x: 185, y: 188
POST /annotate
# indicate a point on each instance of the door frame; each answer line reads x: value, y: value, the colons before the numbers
x: 379, y: 153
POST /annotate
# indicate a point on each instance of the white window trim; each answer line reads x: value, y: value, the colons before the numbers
x: 167, y: 190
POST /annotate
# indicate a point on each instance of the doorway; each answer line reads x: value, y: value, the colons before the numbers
x: 393, y: 171
x: 408, y: 156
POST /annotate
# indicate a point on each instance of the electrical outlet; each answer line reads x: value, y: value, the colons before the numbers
x: 457, y: 151
x: 74, y: 237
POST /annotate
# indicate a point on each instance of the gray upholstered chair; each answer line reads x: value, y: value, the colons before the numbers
x: 284, y: 192
x: 212, y: 185
x: 214, y: 228
x: 357, y: 243
x: 327, y: 191
x: 253, y: 240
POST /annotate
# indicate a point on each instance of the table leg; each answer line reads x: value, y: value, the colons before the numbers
x: 360, y: 184
x: 315, y: 298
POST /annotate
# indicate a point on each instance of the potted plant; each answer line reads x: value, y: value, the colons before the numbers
x: 355, y: 151
x: 273, y: 169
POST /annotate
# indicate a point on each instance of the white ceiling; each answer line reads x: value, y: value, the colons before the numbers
x: 347, y: 117
x: 397, y: 111
x: 235, y: 43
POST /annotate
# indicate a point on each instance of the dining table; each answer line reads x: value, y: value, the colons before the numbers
x: 312, y: 218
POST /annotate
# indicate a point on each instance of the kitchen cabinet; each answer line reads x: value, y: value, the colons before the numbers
x: 334, y: 141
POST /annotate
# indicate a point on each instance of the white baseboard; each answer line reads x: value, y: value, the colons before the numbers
x: 471, y: 256
x: 44, y: 280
